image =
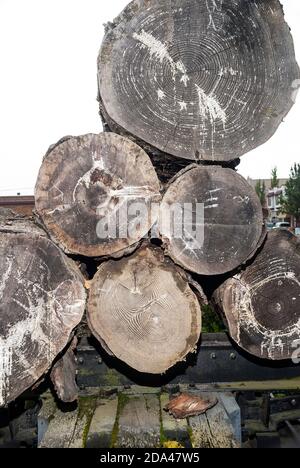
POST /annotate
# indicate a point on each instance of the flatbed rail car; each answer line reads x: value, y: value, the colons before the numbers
x: 259, y: 401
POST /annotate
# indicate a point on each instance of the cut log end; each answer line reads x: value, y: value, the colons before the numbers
x: 262, y: 304
x: 144, y: 311
x: 211, y: 220
x: 96, y: 194
x: 202, y: 85
x: 42, y: 299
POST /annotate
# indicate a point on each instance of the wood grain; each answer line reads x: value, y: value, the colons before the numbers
x: 89, y: 184
x: 230, y: 218
x: 143, y: 311
x: 198, y: 79
x: 42, y: 299
x: 261, y: 305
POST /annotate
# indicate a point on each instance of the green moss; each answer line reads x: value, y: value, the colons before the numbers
x: 163, y: 437
x: 86, y: 432
x: 112, y: 378
x: 85, y: 372
x: 122, y: 402
x: 279, y: 395
x: 191, y: 435
x: 211, y: 322
x: 86, y: 409
x: 146, y: 402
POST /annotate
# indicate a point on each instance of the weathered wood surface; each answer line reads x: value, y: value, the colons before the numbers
x: 42, y: 299
x: 86, y: 193
x: 229, y: 222
x: 63, y: 375
x: 143, y: 306
x: 60, y: 430
x: 102, y: 424
x: 213, y: 429
x: 198, y: 79
x: 139, y: 423
x: 13, y: 222
x: 262, y: 304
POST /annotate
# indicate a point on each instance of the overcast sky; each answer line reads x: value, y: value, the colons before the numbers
x: 48, y: 86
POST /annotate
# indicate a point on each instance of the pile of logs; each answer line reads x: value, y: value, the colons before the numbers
x: 185, y: 89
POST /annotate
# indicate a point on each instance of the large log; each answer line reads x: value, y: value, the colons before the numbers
x: 143, y: 311
x: 261, y: 305
x: 42, y: 299
x: 198, y: 79
x: 228, y: 228
x: 90, y: 187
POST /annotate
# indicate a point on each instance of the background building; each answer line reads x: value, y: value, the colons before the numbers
x: 272, y: 199
x: 20, y: 204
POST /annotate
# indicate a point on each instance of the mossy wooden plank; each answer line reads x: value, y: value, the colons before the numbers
x: 102, y: 424
x: 77, y: 440
x: 45, y: 415
x: 60, y: 430
x: 139, y: 423
x: 213, y: 429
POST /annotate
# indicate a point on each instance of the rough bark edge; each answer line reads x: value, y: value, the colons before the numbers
x: 126, y: 15
x: 39, y: 221
x: 27, y: 223
x: 246, y: 262
x: 165, y: 164
x: 194, y: 286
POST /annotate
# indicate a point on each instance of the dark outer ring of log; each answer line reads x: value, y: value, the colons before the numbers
x: 85, y: 181
x: 233, y: 220
x: 261, y: 305
x: 42, y: 301
x: 166, y: 165
x: 187, y: 77
x: 141, y: 307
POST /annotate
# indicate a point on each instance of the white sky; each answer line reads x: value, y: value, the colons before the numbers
x: 48, y: 86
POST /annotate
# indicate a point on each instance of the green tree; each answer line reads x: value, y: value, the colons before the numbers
x: 291, y: 200
x: 274, y: 178
x: 260, y: 189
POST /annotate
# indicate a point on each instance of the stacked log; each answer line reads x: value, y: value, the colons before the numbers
x: 261, y: 304
x: 143, y: 306
x: 231, y: 221
x: 85, y: 188
x: 185, y: 89
x: 42, y: 301
x: 197, y: 79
